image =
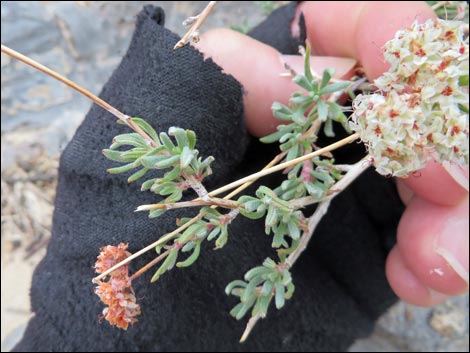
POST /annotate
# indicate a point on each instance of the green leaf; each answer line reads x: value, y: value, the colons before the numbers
x: 294, y: 231
x: 264, y: 302
x: 327, y: 74
x: 150, y: 161
x: 336, y: 113
x: 166, y: 188
x: 274, y: 137
x: 166, y: 141
x: 267, y: 288
x: 293, y: 153
x: 147, y: 128
x: 246, y: 306
x: 167, y: 265
x: 191, y: 136
x: 134, y: 153
x: 187, y: 156
x: 303, y: 82
x: 156, y: 213
x: 190, y: 231
x: 233, y: 284
x: 117, y: 156
x: 188, y: 246
x: 279, y: 296
x: 328, y: 128
x: 334, y: 87
x: 298, y: 116
x: 190, y: 260
x: 290, y: 290
x: 307, y: 70
x: 137, y: 175
x: 180, y: 135
x: 213, y: 233
x: 146, y: 185
x: 168, y: 162
x: 322, y: 109
x: 236, y: 309
x: 222, y: 239
x: 269, y: 263
x: 253, y: 214
x: 278, y: 239
x: 250, y: 290
x: 256, y: 272
x: 132, y: 139
x: 271, y: 217
x: 122, y: 169
x: 172, y: 174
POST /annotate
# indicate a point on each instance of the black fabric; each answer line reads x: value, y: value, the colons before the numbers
x: 281, y: 38
x: 341, y: 287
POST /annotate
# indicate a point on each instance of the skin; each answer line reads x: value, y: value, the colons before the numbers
x: 437, y: 206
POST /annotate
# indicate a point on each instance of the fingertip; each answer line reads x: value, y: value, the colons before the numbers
x: 435, y: 184
x: 359, y: 29
x: 259, y: 68
x: 405, y: 193
x: 424, y: 230
x: 377, y: 23
x: 406, y: 285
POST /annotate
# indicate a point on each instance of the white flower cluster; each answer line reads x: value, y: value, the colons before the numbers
x: 421, y: 109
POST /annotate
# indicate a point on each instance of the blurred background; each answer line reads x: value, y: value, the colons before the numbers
x: 85, y: 41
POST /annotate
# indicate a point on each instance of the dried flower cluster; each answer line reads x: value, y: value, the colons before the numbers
x: 117, y: 292
x: 421, y: 111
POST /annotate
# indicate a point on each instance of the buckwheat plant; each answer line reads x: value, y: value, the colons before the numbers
x: 416, y: 111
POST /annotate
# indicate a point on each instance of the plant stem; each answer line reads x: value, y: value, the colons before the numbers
x: 249, y: 327
x: 253, y: 177
x: 149, y: 265
x: 183, y: 227
x: 439, y: 5
x: 105, y: 105
x: 322, y: 208
x: 284, y: 165
x: 149, y: 247
x: 313, y: 221
x: 197, y: 202
x: 192, y: 32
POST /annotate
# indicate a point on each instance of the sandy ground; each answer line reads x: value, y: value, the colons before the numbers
x: 39, y: 117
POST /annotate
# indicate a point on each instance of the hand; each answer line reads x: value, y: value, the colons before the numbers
x: 430, y: 260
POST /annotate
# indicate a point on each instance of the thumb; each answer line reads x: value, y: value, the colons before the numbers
x: 258, y: 67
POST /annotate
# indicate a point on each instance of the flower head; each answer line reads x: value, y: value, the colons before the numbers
x: 117, y: 293
x: 421, y: 111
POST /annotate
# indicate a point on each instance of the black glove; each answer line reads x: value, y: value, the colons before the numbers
x: 340, y: 282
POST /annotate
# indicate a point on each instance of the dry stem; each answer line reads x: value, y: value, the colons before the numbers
x: 322, y: 208
x: 149, y: 265
x: 192, y: 32
x: 197, y: 202
x: 249, y: 326
x: 121, y: 116
x: 284, y: 165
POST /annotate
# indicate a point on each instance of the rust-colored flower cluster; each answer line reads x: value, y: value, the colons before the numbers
x: 117, y: 292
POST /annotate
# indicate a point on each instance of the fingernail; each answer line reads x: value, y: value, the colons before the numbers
x: 318, y: 64
x: 458, y: 173
x: 452, y: 246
